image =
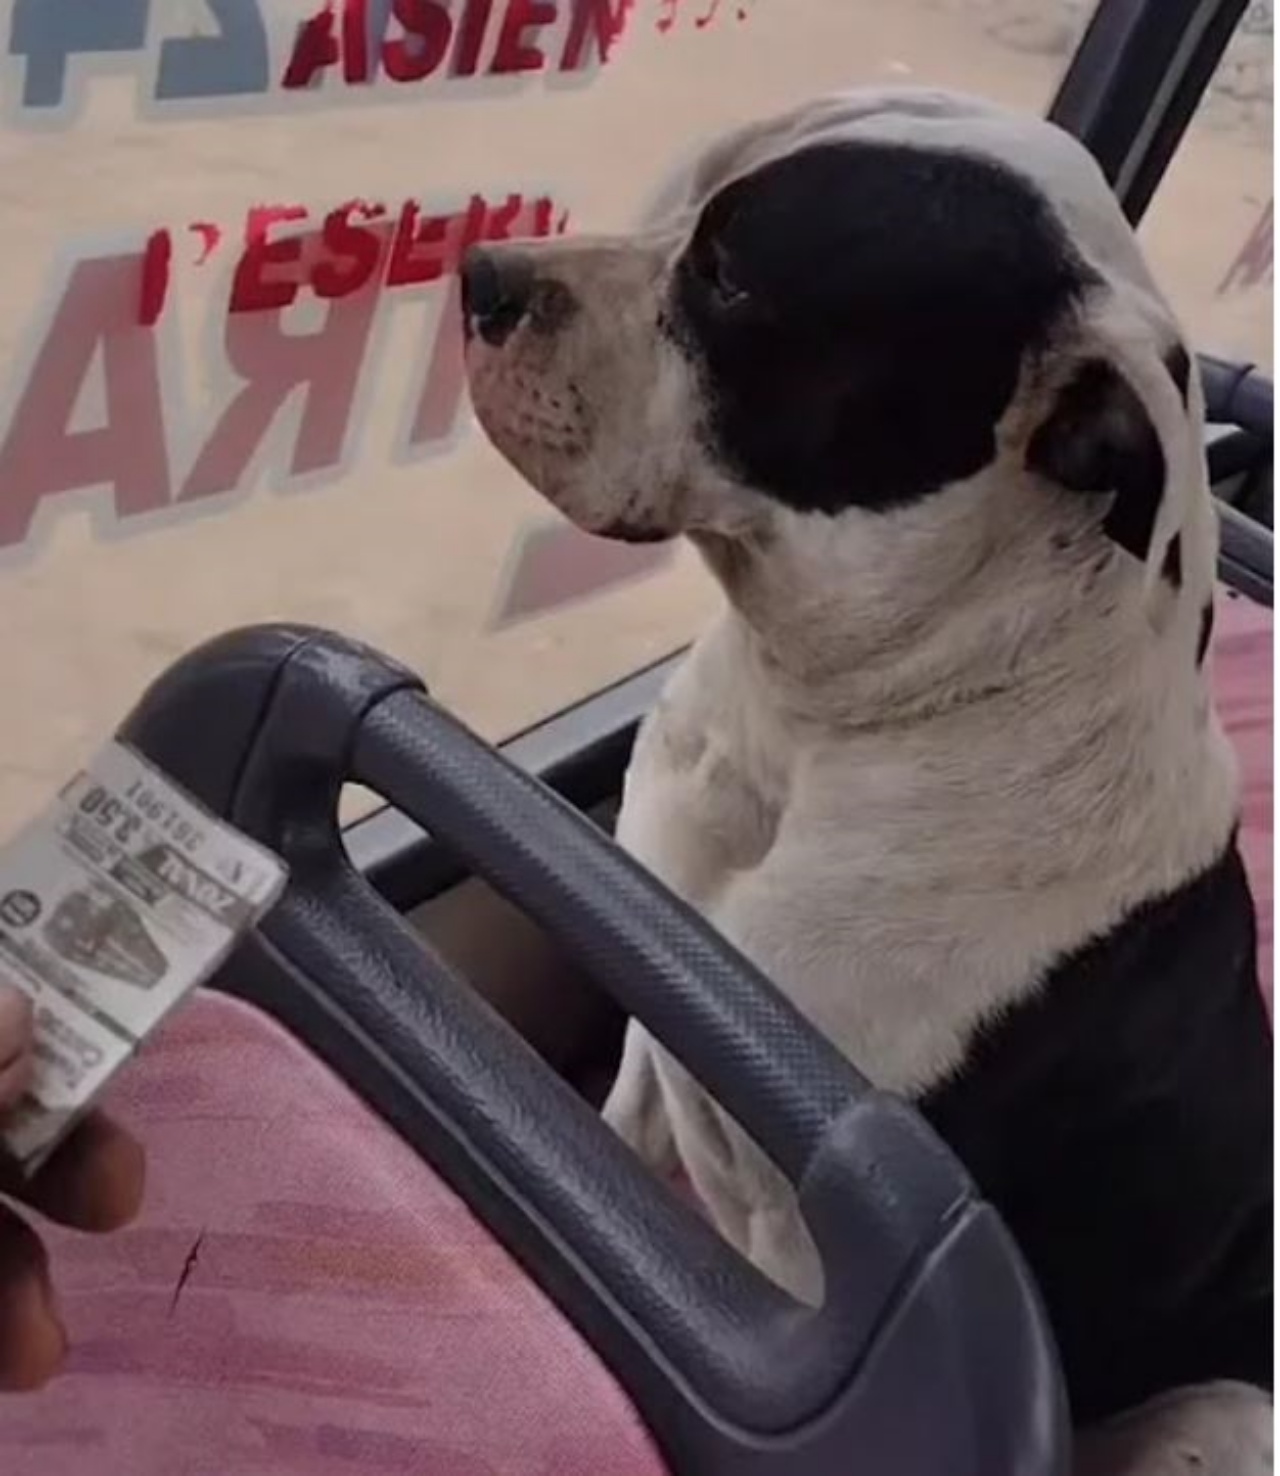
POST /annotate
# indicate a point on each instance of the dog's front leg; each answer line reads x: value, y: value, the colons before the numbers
x: 658, y: 1109
x: 635, y: 1109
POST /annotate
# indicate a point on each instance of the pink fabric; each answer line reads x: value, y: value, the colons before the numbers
x: 1243, y: 679
x: 343, y: 1315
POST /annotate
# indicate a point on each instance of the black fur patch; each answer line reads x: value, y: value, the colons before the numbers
x: 860, y: 313
x: 1099, y: 438
x: 1178, y: 363
x: 1206, y: 633
x: 1120, y: 1121
x: 1171, y: 569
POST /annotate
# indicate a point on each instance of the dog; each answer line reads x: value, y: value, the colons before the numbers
x: 947, y: 768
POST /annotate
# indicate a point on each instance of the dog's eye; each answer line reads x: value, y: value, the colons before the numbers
x: 720, y: 275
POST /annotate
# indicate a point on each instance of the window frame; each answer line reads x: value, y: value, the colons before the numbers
x: 1133, y: 86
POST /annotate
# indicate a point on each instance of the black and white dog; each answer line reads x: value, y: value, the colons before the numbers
x: 948, y: 767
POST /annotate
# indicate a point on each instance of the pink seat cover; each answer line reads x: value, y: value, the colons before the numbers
x: 344, y: 1314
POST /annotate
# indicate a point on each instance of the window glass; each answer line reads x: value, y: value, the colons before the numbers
x: 231, y: 388
x: 1209, y: 228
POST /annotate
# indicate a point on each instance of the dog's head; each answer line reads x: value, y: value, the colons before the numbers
x: 898, y: 311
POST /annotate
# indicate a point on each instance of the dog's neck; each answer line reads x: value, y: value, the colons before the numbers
x: 980, y: 624
x: 865, y: 626
x: 1038, y: 666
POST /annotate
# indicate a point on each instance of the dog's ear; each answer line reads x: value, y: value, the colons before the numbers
x: 1099, y: 438
x: 1124, y: 430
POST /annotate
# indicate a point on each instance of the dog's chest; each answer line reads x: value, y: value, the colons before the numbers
x: 902, y: 886
x: 709, y: 780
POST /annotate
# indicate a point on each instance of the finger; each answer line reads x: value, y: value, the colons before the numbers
x: 32, y: 1341
x: 15, y: 1025
x: 16, y: 1079
x: 93, y: 1182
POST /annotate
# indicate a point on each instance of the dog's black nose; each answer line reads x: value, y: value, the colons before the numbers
x: 497, y: 289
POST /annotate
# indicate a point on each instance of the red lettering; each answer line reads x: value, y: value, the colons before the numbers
x: 355, y: 41
x: 418, y: 253
x: 351, y: 253
x: 475, y: 224
x: 426, y: 249
x: 210, y: 238
x: 315, y: 49
x: 500, y: 224
x: 515, y: 52
x: 471, y: 33
x: 41, y: 456
x: 275, y: 365
x: 428, y: 31
x: 601, y: 21
x: 252, y: 291
x: 157, y: 260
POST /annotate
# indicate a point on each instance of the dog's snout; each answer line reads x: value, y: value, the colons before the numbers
x: 497, y: 291
x: 503, y: 289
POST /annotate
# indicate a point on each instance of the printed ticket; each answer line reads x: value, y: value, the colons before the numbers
x: 116, y: 902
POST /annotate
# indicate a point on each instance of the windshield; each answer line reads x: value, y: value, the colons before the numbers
x: 227, y: 324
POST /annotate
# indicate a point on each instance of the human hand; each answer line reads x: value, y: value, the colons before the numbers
x: 93, y: 1182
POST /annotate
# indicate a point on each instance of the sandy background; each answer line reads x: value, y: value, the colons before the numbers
x: 413, y: 558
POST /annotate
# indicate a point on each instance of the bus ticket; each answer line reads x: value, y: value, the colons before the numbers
x: 116, y: 902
